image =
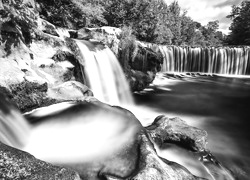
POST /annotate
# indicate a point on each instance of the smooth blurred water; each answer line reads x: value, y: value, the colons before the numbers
x: 104, y: 74
x: 218, y: 104
x: 222, y: 60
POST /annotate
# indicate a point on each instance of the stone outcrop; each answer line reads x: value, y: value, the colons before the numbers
x: 151, y: 166
x: 17, y: 164
x: 166, y: 130
x: 174, y: 130
x: 144, y: 65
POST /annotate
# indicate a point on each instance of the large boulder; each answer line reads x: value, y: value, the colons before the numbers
x: 151, y: 166
x: 17, y: 164
x: 175, y: 130
x: 144, y: 66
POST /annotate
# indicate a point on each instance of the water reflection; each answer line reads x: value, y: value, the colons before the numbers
x: 218, y: 104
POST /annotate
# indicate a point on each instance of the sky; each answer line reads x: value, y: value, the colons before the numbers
x: 204, y: 11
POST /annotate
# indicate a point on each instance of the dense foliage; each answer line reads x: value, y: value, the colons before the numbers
x: 149, y: 20
x: 18, y: 21
x: 72, y: 13
x: 240, y: 26
x: 155, y: 21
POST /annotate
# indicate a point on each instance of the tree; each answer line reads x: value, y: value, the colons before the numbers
x: 175, y: 22
x: 137, y: 14
x: 197, y: 39
x: 210, y: 34
x: 17, y: 22
x: 188, y: 28
x: 163, y: 34
x: 72, y: 13
x: 240, y: 27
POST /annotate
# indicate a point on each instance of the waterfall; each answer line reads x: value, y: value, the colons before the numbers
x: 14, y: 129
x: 221, y: 60
x: 104, y: 74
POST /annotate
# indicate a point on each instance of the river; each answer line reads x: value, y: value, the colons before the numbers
x: 216, y: 103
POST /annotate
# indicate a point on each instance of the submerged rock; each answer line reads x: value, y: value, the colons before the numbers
x: 174, y: 130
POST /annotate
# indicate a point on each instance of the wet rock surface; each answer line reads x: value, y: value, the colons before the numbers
x: 174, y: 130
x: 17, y: 164
x: 151, y: 166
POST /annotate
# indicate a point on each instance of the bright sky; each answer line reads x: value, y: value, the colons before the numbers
x: 204, y: 11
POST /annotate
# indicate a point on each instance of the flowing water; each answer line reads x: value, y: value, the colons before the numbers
x: 217, y: 103
x: 221, y: 60
x: 104, y: 74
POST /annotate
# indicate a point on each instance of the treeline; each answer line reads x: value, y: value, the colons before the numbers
x: 240, y: 26
x: 150, y: 20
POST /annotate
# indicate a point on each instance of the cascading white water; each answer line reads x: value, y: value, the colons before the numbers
x: 104, y: 74
x: 14, y: 129
x: 221, y: 60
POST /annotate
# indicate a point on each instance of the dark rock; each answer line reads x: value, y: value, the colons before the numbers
x: 17, y: 164
x: 139, y: 80
x: 146, y: 60
x: 174, y: 130
x: 73, y: 34
x: 139, y: 63
x: 28, y: 95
